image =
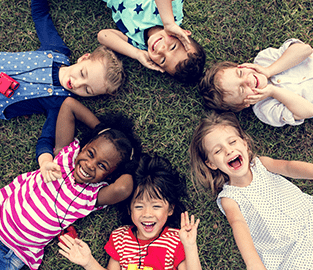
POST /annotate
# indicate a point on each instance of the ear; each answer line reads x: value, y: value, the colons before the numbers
x: 83, y: 57
x: 171, y: 210
x: 211, y: 165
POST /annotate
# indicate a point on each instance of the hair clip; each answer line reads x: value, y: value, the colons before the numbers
x: 103, y: 130
x: 131, y: 155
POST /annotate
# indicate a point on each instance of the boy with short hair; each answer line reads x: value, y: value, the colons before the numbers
x: 46, y: 77
x: 279, y: 83
x: 149, y: 31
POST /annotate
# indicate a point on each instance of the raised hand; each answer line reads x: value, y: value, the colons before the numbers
x: 259, y: 95
x: 188, y: 231
x: 76, y: 250
x: 257, y: 68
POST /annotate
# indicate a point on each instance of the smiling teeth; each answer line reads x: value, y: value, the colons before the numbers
x: 83, y: 172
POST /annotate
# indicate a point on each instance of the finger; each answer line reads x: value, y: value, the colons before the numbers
x: 63, y: 253
x: 67, y: 240
x: 197, y: 223
x: 56, y: 175
x: 188, y: 33
x: 63, y: 247
x: 182, y: 220
x: 187, y: 218
x: 192, y: 220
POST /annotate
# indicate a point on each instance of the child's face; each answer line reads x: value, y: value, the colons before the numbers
x: 96, y: 161
x: 149, y: 215
x: 227, y: 151
x: 238, y: 83
x: 166, y: 51
x: 86, y: 78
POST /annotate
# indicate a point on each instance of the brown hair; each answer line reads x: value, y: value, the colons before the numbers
x: 115, y: 75
x: 201, y: 173
x: 212, y: 93
x: 190, y: 70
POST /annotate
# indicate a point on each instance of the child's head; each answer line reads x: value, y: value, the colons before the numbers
x: 111, y: 145
x: 100, y: 72
x: 156, y: 198
x: 220, y: 150
x: 169, y: 53
x: 225, y: 86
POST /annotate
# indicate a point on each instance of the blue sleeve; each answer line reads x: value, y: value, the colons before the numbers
x: 46, y: 142
x: 46, y: 31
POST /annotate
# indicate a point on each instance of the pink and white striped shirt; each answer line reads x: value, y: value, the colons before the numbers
x: 165, y: 252
x: 29, y: 207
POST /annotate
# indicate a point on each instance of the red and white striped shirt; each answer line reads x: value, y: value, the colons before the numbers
x: 29, y: 207
x: 162, y: 253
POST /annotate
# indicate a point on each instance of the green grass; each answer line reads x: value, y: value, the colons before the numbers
x: 165, y: 112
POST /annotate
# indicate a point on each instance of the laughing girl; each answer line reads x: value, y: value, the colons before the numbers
x: 271, y: 218
x: 150, y: 242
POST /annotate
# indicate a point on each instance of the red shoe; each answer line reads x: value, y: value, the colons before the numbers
x: 69, y: 231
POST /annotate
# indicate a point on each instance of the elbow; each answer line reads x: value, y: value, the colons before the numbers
x: 307, y: 49
x: 102, y: 35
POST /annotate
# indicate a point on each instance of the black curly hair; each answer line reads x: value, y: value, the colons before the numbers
x: 119, y: 130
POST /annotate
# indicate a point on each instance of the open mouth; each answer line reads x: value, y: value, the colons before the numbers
x: 148, y: 226
x: 155, y: 44
x: 69, y: 84
x: 256, y: 81
x: 235, y: 163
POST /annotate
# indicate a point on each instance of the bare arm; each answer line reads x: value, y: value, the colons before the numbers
x: 188, y: 237
x: 117, y: 191
x: 78, y: 252
x: 117, y: 41
x: 242, y: 234
x: 71, y: 110
x: 294, y: 169
x: 167, y: 17
x: 294, y: 55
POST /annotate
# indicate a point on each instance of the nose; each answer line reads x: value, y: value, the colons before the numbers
x: 78, y: 83
x: 228, y: 150
x: 147, y: 212
x: 90, y: 164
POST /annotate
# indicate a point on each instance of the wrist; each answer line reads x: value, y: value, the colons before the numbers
x: 91, y: 263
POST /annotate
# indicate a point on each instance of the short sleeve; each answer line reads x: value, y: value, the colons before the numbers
x: 179, y: 255
x: 110, y: 249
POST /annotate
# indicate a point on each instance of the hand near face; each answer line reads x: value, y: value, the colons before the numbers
x: 257, y: 68
x: 75, y: 250
x: 260, y: 94
x: 144, y: 59
x: 188, y: 231
x: 176, y: 31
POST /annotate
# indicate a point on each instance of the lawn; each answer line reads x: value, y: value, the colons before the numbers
x: 164, y: 111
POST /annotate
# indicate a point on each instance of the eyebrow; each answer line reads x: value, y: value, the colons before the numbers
x: 103, y: 160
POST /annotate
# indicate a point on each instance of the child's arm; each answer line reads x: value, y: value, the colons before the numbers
x: 78, y: 252
x: 299, y: 106
x: 117, y: 41
x: 294, y: 169
x: 170, y: 27
x: 70, y: 111
x: 293, y: 56
x: 117, y: 191
x: 242, y: 234
x: 188, y: 237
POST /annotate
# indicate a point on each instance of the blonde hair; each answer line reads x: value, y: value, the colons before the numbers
x: 114, y: 71
x: 201, y: 174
